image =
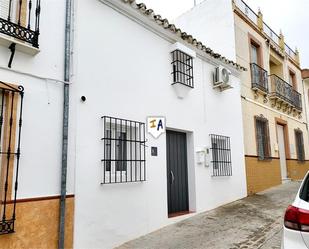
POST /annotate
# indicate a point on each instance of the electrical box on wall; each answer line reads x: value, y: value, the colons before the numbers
x: 207, y: 156
x: 200, y: 156
x: 203, y: 156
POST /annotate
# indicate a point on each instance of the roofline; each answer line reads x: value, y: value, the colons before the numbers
x: 155, y: 23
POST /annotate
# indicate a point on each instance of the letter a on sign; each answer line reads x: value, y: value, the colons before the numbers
x: 156, y: 126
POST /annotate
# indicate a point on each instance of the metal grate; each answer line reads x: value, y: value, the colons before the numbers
x: 11, y: 107
x: 299, y: 140
x: 259, y: 78
x: 262, y: 138
x: 21, y: 19
x: 221, y: 155
x: 182, y: 68
x: 124, y: 151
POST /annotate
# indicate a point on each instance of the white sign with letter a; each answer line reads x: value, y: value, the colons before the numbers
x: 156, y: 126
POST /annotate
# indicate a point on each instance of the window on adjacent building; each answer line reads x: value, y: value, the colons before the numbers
x: 124, y: 151
x: 221, y: 155
x: 262, y: 138
x: 299, y: 141
x: 254, y: 53
x: 182, y: 68
x: 11, y: 98
x: 292, y: 80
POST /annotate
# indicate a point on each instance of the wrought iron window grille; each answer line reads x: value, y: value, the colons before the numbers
x: 11, y: 109
x: 221, y: 155
x: 300, y: 150
x: 21, y: 19
x: 182, y: 68
x: 124, y: 157
x: 262, y: 138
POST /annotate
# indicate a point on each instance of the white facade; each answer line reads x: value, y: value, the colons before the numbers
x: 122, y: 65
x: 212, y: 22
x: 41, y: 75
x: 124, y: 70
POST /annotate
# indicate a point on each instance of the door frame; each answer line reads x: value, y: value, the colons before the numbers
x: 284, y: 123
x: 171, y: 215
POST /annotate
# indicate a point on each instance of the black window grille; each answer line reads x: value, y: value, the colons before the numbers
x: 11, y: 107
x: 124, y: 157
x: 21, y: 19
x: 299, y: 140
x: 262, y: 138
x: 221, y: 155
x: 182, y: 68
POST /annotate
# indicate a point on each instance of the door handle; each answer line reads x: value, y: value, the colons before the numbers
x: 173, y: 177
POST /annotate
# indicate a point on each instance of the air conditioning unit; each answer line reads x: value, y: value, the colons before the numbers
x: 222, y: 78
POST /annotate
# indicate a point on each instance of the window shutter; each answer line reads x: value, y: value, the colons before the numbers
x: 4, y: 9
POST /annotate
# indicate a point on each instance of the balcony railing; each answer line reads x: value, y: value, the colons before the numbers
x: 259, y: 78
x: 285, y: 92
x: 21, y: 19
x: 253, y: 17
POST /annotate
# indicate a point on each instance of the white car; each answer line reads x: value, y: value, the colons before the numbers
x: 296, y: 220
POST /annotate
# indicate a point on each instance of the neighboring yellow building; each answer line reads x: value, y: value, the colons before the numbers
x: 275, y: 124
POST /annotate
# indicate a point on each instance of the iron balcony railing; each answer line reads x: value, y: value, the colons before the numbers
x: 259, y: 78
x: 253, y: 17
x: 284, y: 91
x: 21, y: 19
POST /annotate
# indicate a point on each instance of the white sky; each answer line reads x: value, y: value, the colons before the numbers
x: 291, y: 16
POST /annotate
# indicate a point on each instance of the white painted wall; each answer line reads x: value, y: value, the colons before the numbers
x: 211, y: 22
x: 40, y: 161
x: 124, y: 70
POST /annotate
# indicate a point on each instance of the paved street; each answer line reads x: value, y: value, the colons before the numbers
x: 253, y: 222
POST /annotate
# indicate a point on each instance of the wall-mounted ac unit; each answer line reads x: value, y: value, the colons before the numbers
x: 222, y: 78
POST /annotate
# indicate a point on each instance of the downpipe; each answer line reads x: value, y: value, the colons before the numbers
x: 65, y: 126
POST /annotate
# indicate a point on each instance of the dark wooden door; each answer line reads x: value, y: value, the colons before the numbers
x: 177, y: 173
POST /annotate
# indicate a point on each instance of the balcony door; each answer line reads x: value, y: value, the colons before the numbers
x: 282, y: 149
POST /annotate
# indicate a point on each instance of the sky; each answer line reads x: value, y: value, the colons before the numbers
x: 292, y: 17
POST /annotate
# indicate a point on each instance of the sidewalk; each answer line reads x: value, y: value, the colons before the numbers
x: 253, y: 222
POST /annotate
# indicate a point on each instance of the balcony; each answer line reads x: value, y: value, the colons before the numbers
x: 257, y: 20
x: 259, y: 79
x: 283, y: 92
x: 20, y: 20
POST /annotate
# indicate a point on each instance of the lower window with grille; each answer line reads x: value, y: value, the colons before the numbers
x: 124, y: 151
x: 11, y: 105
x: 221, y: 155
x: 262, y: 138
x: 299, y: 141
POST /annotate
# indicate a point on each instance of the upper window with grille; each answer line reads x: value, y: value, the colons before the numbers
x: 124, y: 151
x: 262, y: 138
x: 299, y: 141
x: 221, y: 155
x: 182, y: 68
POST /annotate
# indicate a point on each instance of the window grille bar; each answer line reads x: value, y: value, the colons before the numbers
x: 126, y: 139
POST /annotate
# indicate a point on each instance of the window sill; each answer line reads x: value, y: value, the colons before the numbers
x: 182, y: 90
x: 24, y: 47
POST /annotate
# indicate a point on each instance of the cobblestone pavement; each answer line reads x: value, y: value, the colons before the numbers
x: 254, y: 222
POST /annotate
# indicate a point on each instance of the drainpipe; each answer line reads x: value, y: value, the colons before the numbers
x: 65, y: 128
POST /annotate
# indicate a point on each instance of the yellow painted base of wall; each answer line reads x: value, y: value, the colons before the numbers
x: 37, y: 224
x: 296, y: 170
x: 262, y: 175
